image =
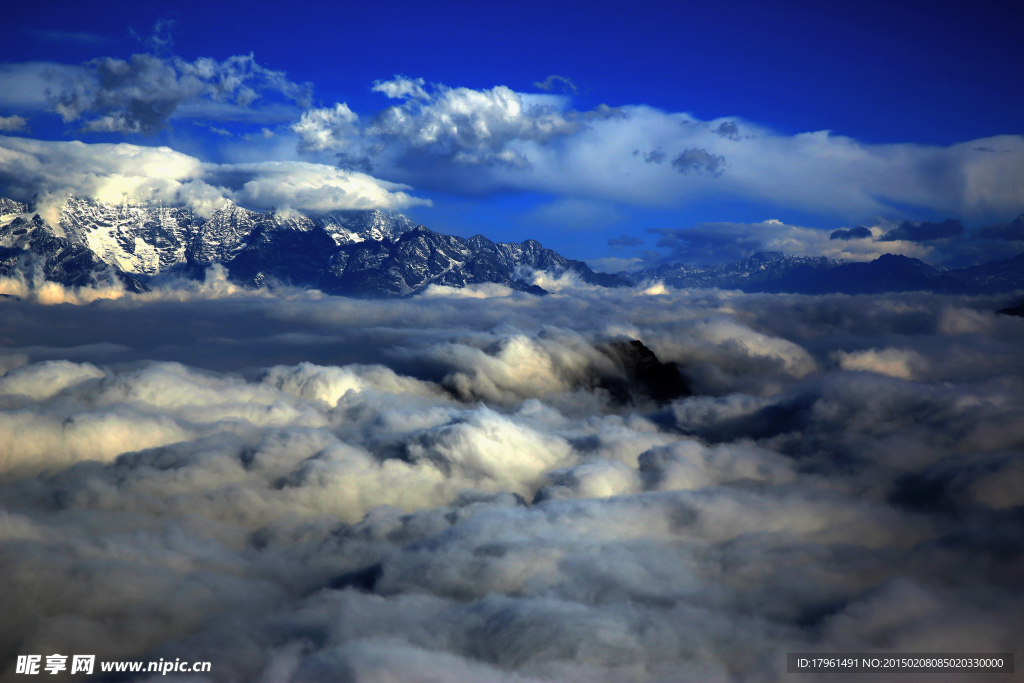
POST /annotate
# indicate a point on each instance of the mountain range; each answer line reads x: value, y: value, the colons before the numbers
x: 369, y: 253
x: 782, y: 273
x: 374, y: 253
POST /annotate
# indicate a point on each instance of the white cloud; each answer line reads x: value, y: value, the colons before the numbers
x: 461, y: 126
x: 326, y: 129
x: 708, y: 243
x: 310, y: 521
x: 108, y: 172
x: 902, y: 363
x: 13, y: 124
x: 400, y: 88
x: 313, y: 188
x: 115, y: 172
x: 644, y: 156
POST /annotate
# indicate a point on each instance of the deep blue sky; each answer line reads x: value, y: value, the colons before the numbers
x: 880, y: 73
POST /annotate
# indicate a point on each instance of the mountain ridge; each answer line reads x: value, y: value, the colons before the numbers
x: 376, y: 253
x: 776, y: 272
x: 367, y: 253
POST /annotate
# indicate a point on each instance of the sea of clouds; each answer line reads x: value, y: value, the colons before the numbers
x: 307, y: 488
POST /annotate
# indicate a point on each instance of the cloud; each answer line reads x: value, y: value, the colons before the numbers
x: 108, y: 172
x: 78, y: 38
x: 925, y: 231
x: 13, y: 124
x: 461, y: 125
x: 624, y: 241
x: 857, y: 233
x: 160, y: 40
x: 901, y: 363
x: 311, y: 488
x: 699, y: 161
x: 467, y: 140
x: 715, y: 243
x: 1009, y: 231
x: 142, y: 94
x: 325, y: 129
x: 728, y: 129
x: 306, y: 187
x: 559, y: 83
x: 114, y: 172
x: 400, y: 88
x: 654, y: 157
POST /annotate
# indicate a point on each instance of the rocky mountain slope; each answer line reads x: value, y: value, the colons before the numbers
x: 362, y: 253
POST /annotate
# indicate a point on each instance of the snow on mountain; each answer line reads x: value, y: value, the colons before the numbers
x: 10, y: 209
x: 382, y: 253
x: 349, y: 227
x: 363, y: 253
x: 31, y: 251
x: 144, y: 239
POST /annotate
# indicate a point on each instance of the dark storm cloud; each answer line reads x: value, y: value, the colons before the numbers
x: 699, y: 161
x: 1009, y: 231
x: 860, y: 232
x: 924, y: 231
x: 448, y: 492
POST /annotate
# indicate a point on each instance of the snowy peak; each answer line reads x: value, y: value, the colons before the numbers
x: 30, y: 251
x: 137, y: 238
x: 223, y: 236
x: 350, y: 227
x: 367, y: 253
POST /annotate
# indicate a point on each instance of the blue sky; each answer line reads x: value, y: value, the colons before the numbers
x: 647, y: 124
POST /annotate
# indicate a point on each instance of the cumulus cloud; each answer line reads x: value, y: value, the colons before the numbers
x: 325, y: 129
x: 490, y: 140
x: 400, y: 88
x: 460, y: 125
x: 311, y: 488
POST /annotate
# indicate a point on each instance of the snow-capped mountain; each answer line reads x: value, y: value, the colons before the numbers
x: 143, y: 239
x: 380, y: 253
x: 364, y: 253
x: 349, y: 227
x: 31, y: 251
x: 748, y: 274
